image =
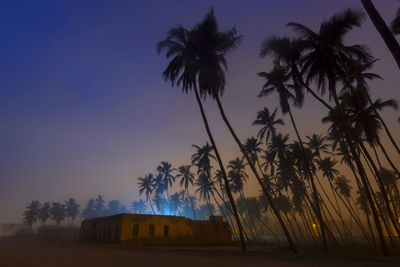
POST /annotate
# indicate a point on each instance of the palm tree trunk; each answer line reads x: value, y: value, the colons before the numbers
x: 383, y: 30
x: 269, y: 198
x: 382, y: 188
x: 315, y: 192
x: 191, y: 201
x: 228, y: 190
x: 388, y: 158
x: 360, y: 168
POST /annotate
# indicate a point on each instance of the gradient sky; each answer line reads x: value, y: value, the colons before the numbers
x: 83, y: 106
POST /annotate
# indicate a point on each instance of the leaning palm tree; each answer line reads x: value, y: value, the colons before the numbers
x: 187, y: 178
x: 146, y: 186
x: 383, y: 29
x: 186, y: 69
x: 325, y: 60
x: 212, y: 46
x: 277, y: 80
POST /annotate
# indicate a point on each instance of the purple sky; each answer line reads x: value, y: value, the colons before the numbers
x: 84, y: 109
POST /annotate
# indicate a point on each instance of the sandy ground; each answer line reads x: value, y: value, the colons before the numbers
x: 22, y: 252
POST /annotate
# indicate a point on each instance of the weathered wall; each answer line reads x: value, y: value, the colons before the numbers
x: 104, y: 229
x: 181, y: 231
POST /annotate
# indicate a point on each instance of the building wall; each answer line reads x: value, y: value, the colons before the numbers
x: 156, y: 230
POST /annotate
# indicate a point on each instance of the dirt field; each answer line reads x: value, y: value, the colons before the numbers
x: 22, y: 252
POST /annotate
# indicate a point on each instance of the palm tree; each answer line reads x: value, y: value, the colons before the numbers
x: 356, y: 77
x: 113, y: 207
x: 268, y: 121
x: 317, y: 143
x: 277, y: 81
x: 211, y: 47
x: 204, y: 189
x: 31, y: 213
x: 99, y: 206
x: 44, y: 212
x: 187, y: 178
x: 89, y: 211
x: 176, y: 202
x: 58, y: 212
x: 184, y: 69
x: 146, y: 186
x: 343, y: 186
x: 383, y: 29
x: 325, y: 60
x: 72, y: 209
x: 395, y: 25
x: 238, y: 175
x: 165, y: 169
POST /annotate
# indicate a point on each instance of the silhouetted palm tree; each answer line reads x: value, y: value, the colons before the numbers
x: 212, y: 45
x: 72, y: 209
x: 383, y: 29
x: 99, y: 206
x: 187, y: 178
x: 327, y: 59
x: 31, y: 213
x: 185, y: 68
x: 268, y: 121
x: 44, y: 212
x: 176, y: 202
x: 113, y: 207
x: 277, y: 81
x: 89, y: 211
x: 146, y: 186
x: 58, y: 212
x: 165, y: 169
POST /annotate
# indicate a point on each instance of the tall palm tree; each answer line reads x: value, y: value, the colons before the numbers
x: 187, y: 178
x: 277, y: 81
x: 72, y: 209
x: 383, y: 30
x: 146, y: 186
x: 89, y: 211
x: 204, y: 189
x: 267, y: 121
x: 165, y: 169
x: 186, y: 69
x: 58, y: 212
x: 31, y: 213
x: 325, y: 60
x: 356, y: 78
x: 238, y: 175
x: 44, y: 212
x: 99, y: 206
x: 212, y: 45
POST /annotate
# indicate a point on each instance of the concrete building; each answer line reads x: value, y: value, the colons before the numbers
x: 143, y: 229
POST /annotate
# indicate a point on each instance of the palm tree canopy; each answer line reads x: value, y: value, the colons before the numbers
x: 146, y: 185
x: 326, y: 56
x: 395, y: 25
x: 211, y: 46
x: 268, y: 121
x: 186, y: 175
